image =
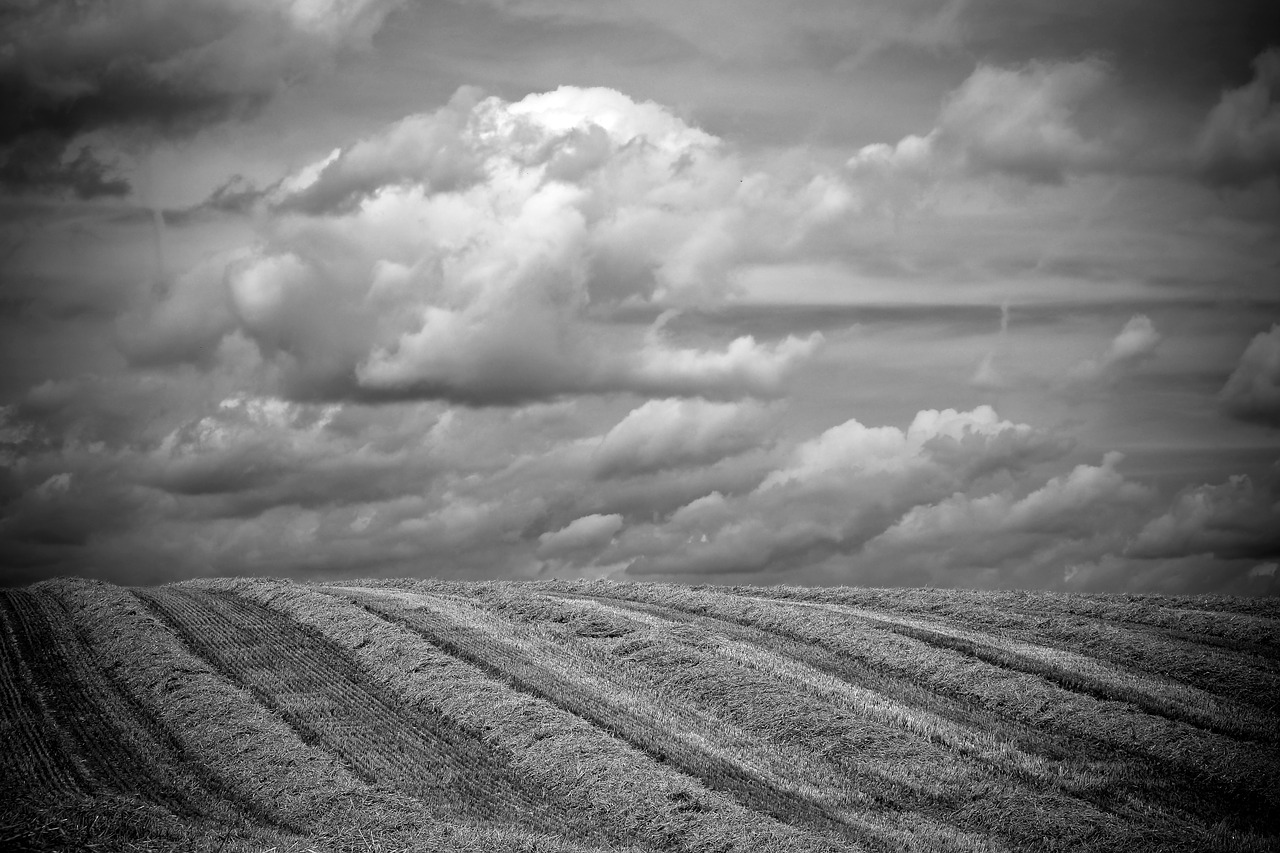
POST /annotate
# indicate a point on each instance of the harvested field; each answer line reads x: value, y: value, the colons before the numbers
x: 408, y: 715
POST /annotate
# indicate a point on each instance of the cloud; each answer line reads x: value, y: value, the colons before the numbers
x: 68, y: 69
x: 428, y: 150
x: 673, y: 433
x: 589, y: 533
x: 1235, y: 519
x: 254, y: 484
x: 759, y: 30
x: 475, y: 254
x: 948, y: 435
x: 987, y: 375
x: 1063, y: 504
x: 1252, y: 392
x: 185, y: 321
x: 39, y: 163
x: 1239, y: 143
x: 832, y: 494
x: 1135, y: 343
x: 1018, y: 122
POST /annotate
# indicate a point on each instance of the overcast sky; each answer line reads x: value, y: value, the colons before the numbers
x: 976, y: 293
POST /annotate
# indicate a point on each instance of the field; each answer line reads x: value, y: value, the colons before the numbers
x: 236, y: 715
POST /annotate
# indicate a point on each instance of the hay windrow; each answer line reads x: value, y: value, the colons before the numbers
x: 605, y: 779
x: 236, y: 715
x: 250, y: 753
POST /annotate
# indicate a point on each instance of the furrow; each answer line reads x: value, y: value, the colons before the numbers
x: 1076, y: 673
x: 953, y: 720
x: 965, y: 778
x: 1153, y: 758
x: 686, y: 747
x: 1255, y: 633
x: 249, y: 756
x: 600, y: 779
x: 877, y: 794
x: 311, y: 684
x: 37, y: 758
x: 1231, y: 676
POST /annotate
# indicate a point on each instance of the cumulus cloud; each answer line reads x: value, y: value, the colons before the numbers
x: 474, y: 254
x: 1235, y: 519
x: 1018, y: 122
x: 1134, y: 344
x: 932, y: 436
x: 1240, y: 140
x: 832, y: 494
x: 589, y: 533
x: 1252, y: 392
x: 252, y: 483
x: 673, y: 433
x: 185, y: 320
x: 250, y: 453
x: 68, y: 69
x: 1019, y: 535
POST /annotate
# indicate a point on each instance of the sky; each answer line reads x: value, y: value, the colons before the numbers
x: 948, y: 293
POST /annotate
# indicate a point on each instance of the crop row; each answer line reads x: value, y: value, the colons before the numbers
x: 601, y: 779
x: 124, y: 751
x: 762, y: 779
x: 1048, y: 762
x: 842, y: 734
x: 912, y: 759
x: 1229, y: 674
x: 1166, y: 763
x: 249, y: 755
x: 1078, y: 673
x: 873, y: 802
x: 1256, y: 632
x: 35, y: 759
x: 317, y: 689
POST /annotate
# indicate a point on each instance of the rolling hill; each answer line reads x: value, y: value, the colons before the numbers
x: 225, y: 715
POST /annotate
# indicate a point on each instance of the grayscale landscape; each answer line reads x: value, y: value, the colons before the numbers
x: 589, y: 716
x: 639, y: 425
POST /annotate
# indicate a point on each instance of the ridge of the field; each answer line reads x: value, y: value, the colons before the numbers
x: 270, y: 715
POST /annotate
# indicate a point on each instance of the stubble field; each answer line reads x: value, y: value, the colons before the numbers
x: 234, y: 715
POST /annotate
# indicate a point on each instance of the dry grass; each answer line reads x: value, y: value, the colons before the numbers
x: 1181, y: 772
x: 603, y: 781
x: 227, y: 716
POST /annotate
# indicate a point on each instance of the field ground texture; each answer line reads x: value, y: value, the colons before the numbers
x: 236, y: 715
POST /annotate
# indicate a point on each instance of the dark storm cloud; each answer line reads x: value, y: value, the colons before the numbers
x: 1183, y: 49
x: 34, y: 163
x: 1252, y: 393
x: 1237, y: 519
x: 1240, y: 141
x: 69, y: 68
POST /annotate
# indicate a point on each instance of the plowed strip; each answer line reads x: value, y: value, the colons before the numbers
x: 598, y: 779
x: 34, y: 759
x: 662, y: 742
x: 1074, y: 672
x: 959, y: 776
x: 1180, y: 768
x: 961, y: 710
x: 323, y: 697
x: 1231, y: 675
x: 1238, y: 631
x: 124, y: 749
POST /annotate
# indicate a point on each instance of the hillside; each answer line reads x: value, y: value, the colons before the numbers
x: 420, y: 715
